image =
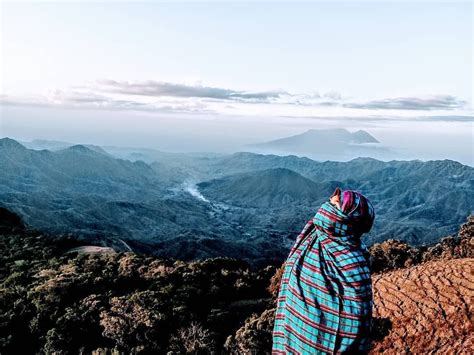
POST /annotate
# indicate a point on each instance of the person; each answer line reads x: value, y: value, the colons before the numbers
x: 324, y: 303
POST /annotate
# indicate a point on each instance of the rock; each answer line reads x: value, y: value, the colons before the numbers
x: 429, y: 307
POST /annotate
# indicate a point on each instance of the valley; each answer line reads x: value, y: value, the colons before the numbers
x: 243, y: 205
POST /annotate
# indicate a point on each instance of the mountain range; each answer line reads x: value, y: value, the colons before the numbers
x: 319, y: 144
x: 243, y: 205
x: 326, y: 144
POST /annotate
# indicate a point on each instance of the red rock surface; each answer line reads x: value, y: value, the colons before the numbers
x: 430, y: 307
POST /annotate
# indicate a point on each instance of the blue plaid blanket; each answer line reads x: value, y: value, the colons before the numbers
x: 325, y: 298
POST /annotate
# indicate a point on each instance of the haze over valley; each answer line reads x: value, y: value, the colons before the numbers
x: 244, y: 205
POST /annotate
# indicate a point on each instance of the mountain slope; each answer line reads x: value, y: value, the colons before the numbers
x: 414, y: 201
x: 75, y: 188
x: 266, y: 188
x: 76, y: 166
x: 256, y: 204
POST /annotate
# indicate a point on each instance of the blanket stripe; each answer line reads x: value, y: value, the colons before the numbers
x: 325, y: 299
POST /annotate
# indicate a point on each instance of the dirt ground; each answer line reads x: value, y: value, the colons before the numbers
x: 426, y: 308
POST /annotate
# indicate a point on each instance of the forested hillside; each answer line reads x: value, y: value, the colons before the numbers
x: 55, y: 300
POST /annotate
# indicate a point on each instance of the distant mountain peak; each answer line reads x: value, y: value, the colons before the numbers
x: 86, y: 149
x: 363, y: 137
x: 340, y: 134
x: 79, y: 148
x: 10, y: 143
x: 320, y: 141
x: 274, y: 187
x: 336, y: 144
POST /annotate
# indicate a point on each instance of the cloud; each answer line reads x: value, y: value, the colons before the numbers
x: 439, y: 102
x: 385, y: 118
x: 160, y: 90
x: 152, y: 88
x: 91, y: 100
x: 448, y: 118
x: 156, y: 96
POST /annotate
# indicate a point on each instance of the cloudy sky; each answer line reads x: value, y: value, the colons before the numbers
x: 271, y: 64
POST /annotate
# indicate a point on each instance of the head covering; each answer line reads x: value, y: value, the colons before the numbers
x: 355, y: 217
x: 359, y: 210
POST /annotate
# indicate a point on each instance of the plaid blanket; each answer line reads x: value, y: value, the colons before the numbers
x: 325, y: 298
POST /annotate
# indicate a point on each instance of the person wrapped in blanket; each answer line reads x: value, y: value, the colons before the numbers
x: 324, y: 305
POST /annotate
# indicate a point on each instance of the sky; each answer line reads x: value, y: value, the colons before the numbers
x: 238, y: 72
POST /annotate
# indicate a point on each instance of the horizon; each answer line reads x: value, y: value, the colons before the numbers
x: 139, y: 148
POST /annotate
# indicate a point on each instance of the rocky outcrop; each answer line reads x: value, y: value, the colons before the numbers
x: 429, y: 307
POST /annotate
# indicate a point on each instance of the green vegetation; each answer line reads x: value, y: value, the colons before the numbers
x: 56, y: 302
x: 52, y: 301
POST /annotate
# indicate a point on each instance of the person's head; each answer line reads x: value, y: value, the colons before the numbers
x: 356, y: 208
